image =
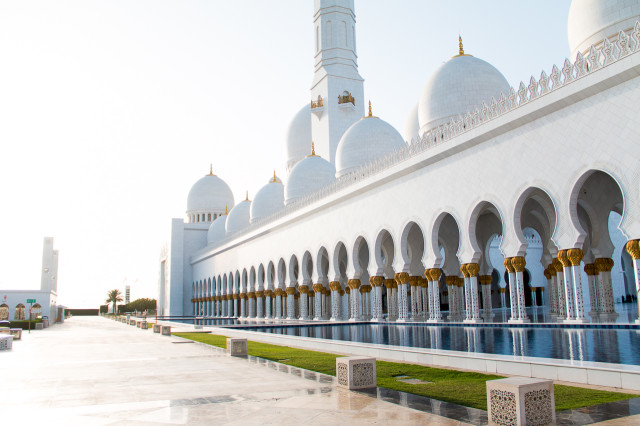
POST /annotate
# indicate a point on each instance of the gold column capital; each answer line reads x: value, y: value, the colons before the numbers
x: 304, y: 289
x: 290, y: 291
x: 575, y: 256
x: 557, y: 265
x: 507, y: 264
x: 334, y: 285
x: 633, y: 248
x: 278, y: 292
x: 485, y: 279
x: 563, y: 257
x: 451, y: 280
x: 353, y: 283
x: 518, y: 263
x: 402, y: 277
x: 318, y: 287
x: 548, y: 274
x: 463, y: 270
x: 473, y: 269
x: 591, y: 269
x: 347, y: 290
x: 268, y: 293
x: 388, y: 283
x: 414, y: 280
x: 604, y: 264
x: 376, y: 281
x: 259, y: 294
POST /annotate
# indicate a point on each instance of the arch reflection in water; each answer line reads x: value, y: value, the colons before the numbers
x: 589, y: 344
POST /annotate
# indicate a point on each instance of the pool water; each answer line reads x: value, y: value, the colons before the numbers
x: 618, y: 346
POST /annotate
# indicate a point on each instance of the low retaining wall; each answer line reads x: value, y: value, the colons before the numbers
x: 581, y: 372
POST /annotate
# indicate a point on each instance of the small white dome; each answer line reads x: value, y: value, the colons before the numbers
x: 268, y: 200
x: 210, y: 193
x: 365, y: 141
x: 308, y: 176
x: 299, y: 137
x: 238, y: 217
x: 457, y: 87
x: 217, y: 230
x: 591, y: 21
x: 411, y: 131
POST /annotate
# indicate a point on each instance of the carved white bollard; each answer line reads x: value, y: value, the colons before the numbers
x: 16, y: 333
x: 6, y: 342
x: 165, y: 330
x: 39, y: 326
x: 521, y: 401
x: 156, y: 328
x: 237, y: 347
x: 356, y: 372
x: 144, y: 325
x: 138, y: 324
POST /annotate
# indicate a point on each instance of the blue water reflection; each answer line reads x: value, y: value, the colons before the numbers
x: 600, y: 345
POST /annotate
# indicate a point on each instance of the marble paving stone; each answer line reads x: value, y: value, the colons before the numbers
x: 92, y: 371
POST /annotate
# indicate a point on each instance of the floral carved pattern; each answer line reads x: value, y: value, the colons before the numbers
x: 503, y: 407
x: 362, y: 374
x: 343, y: 374
x: 537, y: 407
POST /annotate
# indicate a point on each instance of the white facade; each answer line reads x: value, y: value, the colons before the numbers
x: 541, y: 166
x: 13, y: 303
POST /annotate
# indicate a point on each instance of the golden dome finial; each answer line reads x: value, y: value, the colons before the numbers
x: 211, y: 169
x: 370, y: 112
x: 226, y: 209
x: 247, y: 197
x: 275, y: 178
x: 313, y: 148
x: 460, y: 47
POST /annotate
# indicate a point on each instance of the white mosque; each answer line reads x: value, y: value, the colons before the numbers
x: 493, y: 196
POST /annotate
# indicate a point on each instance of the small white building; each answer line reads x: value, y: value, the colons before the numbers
x: 16, y: 304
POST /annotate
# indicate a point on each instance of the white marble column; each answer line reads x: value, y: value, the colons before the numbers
x: 355, y: 314
x: 402, y: 279
x: 513, y: 292
x: 388, y: 284
x: 433, y: 276
x: 518, y: 263
x: 633, y: 248
x: 335, y: 288
x: 317, y: 300
x: 568, y: 285
x: 561, y: 304
x: 413, y: 286
x: 376, y: 298
x: 575, y: 256
x: 607, y: 310
x: 278, y: 292
x: 291, y: 307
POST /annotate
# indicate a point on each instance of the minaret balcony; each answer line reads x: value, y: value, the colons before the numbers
x: 317, y: 106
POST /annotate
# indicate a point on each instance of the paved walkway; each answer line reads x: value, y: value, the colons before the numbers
x: 93, y: 371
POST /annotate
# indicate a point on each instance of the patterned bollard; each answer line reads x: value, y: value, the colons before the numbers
x: 144, y: 325
x: 356, y: 372
x: 521, y: 401
x: 237, y: 347
x: 156, y: 328
x: 39, y: 326
x: 6, y: 342
x: 165, y: 330
x: 16, y: 333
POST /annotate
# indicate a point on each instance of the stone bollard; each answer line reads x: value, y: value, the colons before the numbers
x: 6, y: 342
x: 16, y: 333
x: 521, y: 401
x: 144, y: 325
x: 237, y: 347
x: 132, y: 322
x: 356, y: 372
x: 39, y: 326
x: 156, y: 328
x: 165, y: 330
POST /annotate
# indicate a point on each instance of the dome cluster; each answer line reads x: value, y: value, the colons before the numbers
x: 457, y: 87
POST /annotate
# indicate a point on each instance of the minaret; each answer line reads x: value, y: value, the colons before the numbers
x: 337, y: 91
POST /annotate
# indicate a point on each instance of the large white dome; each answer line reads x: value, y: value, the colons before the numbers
x: 591, y: 21
x: 299, y: 137
x: 217, y: 230
x: 308, y: 176
x: 209, y: 193
x: 411, y: 132
x: 456, y: 87
x: 365, y: 141
x: 268, y: 200
x: 238, y: 217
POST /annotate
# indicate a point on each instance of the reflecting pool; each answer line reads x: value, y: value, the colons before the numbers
x: 618, y: 346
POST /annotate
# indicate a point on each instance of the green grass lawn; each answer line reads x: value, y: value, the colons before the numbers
x: 460, y: 387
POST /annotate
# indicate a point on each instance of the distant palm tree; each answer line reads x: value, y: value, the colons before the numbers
x: 114, y: 296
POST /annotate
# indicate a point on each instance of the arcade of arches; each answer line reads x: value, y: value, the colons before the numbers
x: 362, y: 279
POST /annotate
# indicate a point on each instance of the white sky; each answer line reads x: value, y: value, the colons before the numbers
x: 111, y: 110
